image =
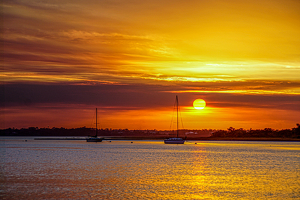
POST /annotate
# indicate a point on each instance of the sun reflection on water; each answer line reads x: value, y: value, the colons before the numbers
x: 150, y: 170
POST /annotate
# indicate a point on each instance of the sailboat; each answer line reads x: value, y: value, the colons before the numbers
x: 176, y: 140
x: 95, y: 137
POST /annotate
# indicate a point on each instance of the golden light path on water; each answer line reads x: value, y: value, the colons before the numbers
x: 149, y: 170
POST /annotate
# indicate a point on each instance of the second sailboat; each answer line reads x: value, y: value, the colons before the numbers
x: 176, y: 140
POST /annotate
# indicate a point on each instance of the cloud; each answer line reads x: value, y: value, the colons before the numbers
x: 133, y: 96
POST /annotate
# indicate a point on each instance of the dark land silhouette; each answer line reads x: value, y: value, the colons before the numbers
x: 204, y: 134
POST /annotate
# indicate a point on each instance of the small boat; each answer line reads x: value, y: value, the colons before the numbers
x: 95, y: 137
x: 176, y: 140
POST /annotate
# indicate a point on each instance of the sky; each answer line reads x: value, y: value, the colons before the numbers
x: 62, y: 59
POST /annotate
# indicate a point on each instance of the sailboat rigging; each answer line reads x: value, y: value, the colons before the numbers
x: 176, y: 140
x: 95, y: 137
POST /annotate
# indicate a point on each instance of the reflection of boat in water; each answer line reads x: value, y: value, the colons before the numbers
x: 95, y: 137
x: 176, y: 140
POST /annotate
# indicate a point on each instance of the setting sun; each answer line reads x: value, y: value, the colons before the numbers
x: 199, y: 104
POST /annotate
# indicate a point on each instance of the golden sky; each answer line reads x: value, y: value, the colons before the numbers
x: 61, y: 59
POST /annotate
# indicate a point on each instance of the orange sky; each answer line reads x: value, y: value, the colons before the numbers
x: 61, y: 59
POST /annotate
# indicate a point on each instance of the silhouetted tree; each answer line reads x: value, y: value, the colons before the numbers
x: 296, y: 131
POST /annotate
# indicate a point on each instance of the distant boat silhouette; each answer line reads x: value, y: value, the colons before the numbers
x: 95, y: 137
x: 176, y: 140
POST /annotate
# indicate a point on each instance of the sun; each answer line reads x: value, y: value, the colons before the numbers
x: 199, y: 104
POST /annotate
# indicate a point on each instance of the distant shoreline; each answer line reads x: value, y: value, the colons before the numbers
x: 231, y: 134
x: 162, y: 138
x: 255, y: 139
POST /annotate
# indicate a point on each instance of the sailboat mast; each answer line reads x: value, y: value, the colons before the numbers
x: 96, y: 124
x: 177, y: 113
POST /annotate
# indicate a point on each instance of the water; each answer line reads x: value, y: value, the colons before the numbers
x: 39, y: 169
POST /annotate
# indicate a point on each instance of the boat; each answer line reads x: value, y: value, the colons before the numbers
x: 175, y: 140
x: 95, y: 137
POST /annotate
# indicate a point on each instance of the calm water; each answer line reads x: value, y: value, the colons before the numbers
x: 148, y: 170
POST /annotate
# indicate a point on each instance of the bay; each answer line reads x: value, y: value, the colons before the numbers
x: 75, y: 169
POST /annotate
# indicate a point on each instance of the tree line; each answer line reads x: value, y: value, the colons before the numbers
x: 258, y: 133
x: 84, y: 131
